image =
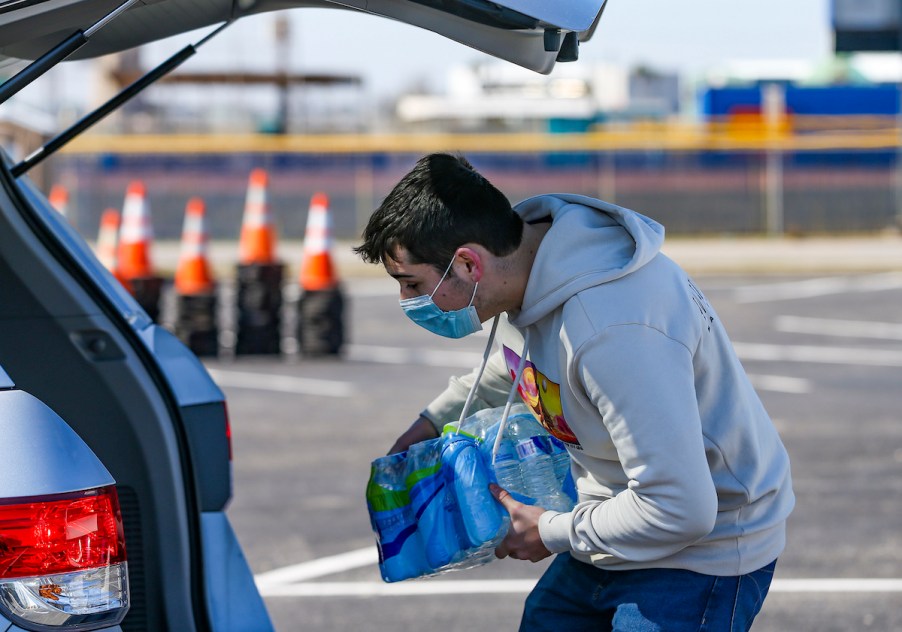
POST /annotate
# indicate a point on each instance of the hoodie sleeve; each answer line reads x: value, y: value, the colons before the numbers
x: 641, y: 382
x: 492, y: 392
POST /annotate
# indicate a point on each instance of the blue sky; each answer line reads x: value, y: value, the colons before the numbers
x: 681, y: 35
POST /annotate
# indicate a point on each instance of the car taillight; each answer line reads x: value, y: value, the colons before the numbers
x: 228, y: 428
x: 62, y: 560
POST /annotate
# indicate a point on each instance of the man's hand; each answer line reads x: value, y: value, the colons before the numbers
x: 522, y: 541
x: 421, y: 430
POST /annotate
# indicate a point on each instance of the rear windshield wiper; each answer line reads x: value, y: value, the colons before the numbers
x: 58, y: 53
x: 127, y: 93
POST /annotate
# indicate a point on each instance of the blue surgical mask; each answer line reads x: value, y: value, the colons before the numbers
x: 454, y: 324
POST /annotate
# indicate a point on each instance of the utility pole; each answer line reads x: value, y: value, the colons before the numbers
x: 899, y: 123
x: 283, y: 52
x: 774, y: 112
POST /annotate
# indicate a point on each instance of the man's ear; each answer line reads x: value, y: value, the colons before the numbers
x: 469, y: 263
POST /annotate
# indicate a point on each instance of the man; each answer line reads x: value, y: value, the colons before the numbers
x: 684, y: 485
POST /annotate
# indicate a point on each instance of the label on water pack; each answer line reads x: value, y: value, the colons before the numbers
x: 529, y: 447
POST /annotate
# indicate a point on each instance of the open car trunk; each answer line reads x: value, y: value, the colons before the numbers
x: 73, y: 339
x: 530, y: 33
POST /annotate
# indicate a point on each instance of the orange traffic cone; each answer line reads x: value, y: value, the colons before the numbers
x: 317, y: 272
x: 258, y: 236
x: 320, y: 323
x: 59, y: 199
x: 108, y: 241
x: 193, y: 276
x: 135, y: 235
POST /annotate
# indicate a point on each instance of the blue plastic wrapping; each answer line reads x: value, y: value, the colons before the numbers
x: 401, y: 551
x: 431, y: 509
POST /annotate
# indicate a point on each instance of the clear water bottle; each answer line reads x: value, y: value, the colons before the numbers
x: 507, y: 465
x: 483, y: 424
x: 477, y: 425
x: 536, y: 465
x: 560, y: 458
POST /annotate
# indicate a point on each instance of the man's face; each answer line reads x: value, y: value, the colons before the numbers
x: 417, y: 279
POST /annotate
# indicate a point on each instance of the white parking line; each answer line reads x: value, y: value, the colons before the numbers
x: 291, y: 581
x: 839, y: 328
x: 378, y: 287
x: 409, y: 588
x: 317, y: 568
x: 859, y: 585
x: 860, y: 356
x: 281, y: 383
x: 413, y: 356
x: 781, y: 384
x: 523, y: 586
x: 468, y: 360
x: 818, y: 287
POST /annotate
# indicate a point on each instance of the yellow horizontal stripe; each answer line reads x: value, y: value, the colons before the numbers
x: 639, y: 140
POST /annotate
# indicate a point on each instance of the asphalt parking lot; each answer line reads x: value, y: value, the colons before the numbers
x: 824, y: 351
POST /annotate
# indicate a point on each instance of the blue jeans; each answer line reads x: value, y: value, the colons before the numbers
x: 575, y: 596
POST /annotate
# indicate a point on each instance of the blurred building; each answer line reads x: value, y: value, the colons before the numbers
x: 22, y: 130
x: 245, y: 101
x: 653, y: 94
x: 496, y: 97
x: 848, y: 91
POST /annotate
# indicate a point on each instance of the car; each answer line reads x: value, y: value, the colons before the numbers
x: 115, y: 455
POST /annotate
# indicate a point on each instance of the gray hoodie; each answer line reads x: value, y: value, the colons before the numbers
x: 676, y: 461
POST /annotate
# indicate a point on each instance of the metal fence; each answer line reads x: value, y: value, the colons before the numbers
x: 692, y: 188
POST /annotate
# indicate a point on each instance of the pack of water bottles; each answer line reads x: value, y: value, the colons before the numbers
x: 430, y: 507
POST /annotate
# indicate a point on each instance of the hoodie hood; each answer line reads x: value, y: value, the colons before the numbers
x: 590, y: 242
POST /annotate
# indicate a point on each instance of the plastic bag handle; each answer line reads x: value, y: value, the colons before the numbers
x: 485, y: 360
x: 510, y: 397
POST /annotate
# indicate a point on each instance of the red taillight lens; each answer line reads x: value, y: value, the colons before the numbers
x: 228, y: 428
x: 60, y: 534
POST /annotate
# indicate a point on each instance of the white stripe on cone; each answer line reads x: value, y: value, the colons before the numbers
x: 136, y: 225
x: 108, y: 239
x: 318, y: 235
x: 256, y: 205
x: 194, y: 236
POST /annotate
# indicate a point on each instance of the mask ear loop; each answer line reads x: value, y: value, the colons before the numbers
x: 510, y: 397
x: 485, y: 360
x: 440, y: 281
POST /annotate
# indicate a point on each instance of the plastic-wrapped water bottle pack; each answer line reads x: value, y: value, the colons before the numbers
x: 430, y: 507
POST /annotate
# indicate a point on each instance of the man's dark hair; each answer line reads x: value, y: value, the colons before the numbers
x: 440, y: 205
